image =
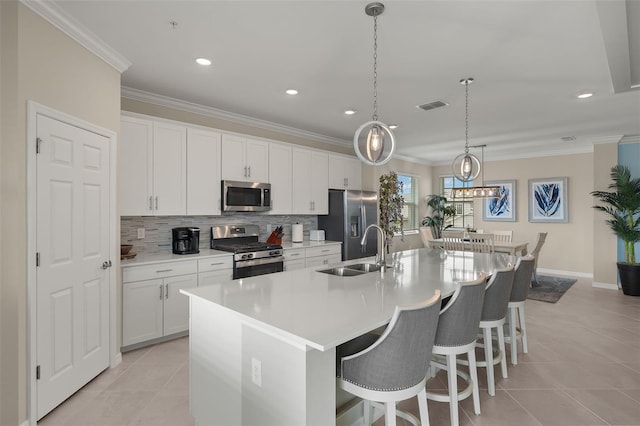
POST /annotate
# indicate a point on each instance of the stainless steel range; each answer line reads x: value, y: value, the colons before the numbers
x: 250, y: 256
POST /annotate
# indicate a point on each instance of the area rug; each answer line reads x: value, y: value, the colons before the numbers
x: 550, y: 289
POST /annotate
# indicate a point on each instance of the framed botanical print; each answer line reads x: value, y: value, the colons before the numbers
x: 502, y: 208
x: 548, y: 200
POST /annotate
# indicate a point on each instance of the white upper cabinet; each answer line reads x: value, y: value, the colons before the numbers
x: 152, y: 168
x: 203, y: 172
x: 169, y: 169
x: 280, y: 178
x: 245, y: 159
x: 344, y: 172
x: 135, y: 167
x: 310, y: 180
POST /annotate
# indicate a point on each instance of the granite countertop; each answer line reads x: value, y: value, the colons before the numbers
x: 168, y: 256
x: 307, y: 244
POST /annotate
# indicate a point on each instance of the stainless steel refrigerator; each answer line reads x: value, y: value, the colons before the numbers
x: 350, y: 212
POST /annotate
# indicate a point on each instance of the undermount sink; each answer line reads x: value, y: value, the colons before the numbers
x: 342, y: 271
x: 364, y: 267
x: 352, y: 270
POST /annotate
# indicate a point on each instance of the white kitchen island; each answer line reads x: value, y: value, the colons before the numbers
x: 262, y: 349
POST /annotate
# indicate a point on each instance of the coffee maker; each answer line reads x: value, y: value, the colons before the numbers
x: 186, y: 240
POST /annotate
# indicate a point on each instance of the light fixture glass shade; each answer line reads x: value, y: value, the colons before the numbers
x: 477, y: 192
x: 374, y: 143
x: 466, y: 167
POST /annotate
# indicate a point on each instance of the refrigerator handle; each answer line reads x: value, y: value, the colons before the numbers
x: 363, y: 224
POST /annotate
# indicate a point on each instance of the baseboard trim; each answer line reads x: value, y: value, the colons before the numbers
x: 567, y: 273
x: 607, y: 286
x: 116, y: 359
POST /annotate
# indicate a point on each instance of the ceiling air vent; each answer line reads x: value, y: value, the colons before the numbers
x: 432, y: 105
x: 568, y: 138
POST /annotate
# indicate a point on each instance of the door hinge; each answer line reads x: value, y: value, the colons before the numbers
x: 38, y: 142
x: 37, y: 259
x: 37, y: 372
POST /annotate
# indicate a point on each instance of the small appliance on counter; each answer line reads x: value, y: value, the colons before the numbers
x: 296, y: 233
x: 186, y: 240
x: 316, y: 235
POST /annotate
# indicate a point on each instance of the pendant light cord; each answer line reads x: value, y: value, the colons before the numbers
x: 466, y: 116
x: 375, y: 66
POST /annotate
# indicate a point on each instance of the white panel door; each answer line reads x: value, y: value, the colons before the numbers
x: 176, y: 305
x: 280, y: 179
x: 203, y: 172
x: 72, y: 300
x: 135, y: 167
x: 169, y: 169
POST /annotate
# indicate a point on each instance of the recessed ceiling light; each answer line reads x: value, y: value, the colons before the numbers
x: 350, y: 111
x: 393, y: 126
x: 292, y: 92
x: 203, y: 61
x: 585, y: 95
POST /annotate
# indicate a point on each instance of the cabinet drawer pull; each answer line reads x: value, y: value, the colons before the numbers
x: 219, y: 263
x: 164, y: 270
x: 295, y: 254
x: 325, y: 250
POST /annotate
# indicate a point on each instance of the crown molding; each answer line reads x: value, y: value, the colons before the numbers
x: 166, y: 101
x: 630, y: 139
x: 60, y: 19
x: 607, y: 139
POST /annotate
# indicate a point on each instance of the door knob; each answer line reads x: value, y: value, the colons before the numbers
x: 106, y: 264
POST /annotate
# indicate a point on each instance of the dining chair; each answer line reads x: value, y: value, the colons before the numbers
x: 494, y: 312
x: 453, y: 240
x: 516, y: 324
x: 502, y: 236
x: 395, y: 366
x: 542, y: 237
x: 482, y: 243
x: 456, y: 335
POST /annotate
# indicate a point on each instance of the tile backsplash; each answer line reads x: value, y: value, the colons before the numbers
x: 158, y: 228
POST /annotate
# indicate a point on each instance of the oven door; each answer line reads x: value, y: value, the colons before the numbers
x: 252, y: 268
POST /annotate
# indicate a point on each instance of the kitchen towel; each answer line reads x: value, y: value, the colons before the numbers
x: 296, y: 233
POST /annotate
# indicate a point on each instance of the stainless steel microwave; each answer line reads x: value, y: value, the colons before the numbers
x: 245, y: 196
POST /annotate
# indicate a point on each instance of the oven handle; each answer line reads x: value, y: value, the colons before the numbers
x: 261, y: 261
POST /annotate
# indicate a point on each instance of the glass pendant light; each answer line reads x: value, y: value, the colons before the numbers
x: 377, y: 147
x: 466, y: 167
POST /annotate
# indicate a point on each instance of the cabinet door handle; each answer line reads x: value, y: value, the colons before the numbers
x: 163, y: 270
x: 166, y: 291
x: 151, y: 203
x: 161, y: 292
x: 156, y: 202
x: 346, y: 181
x: 245, y: 171
x: 249, y: 168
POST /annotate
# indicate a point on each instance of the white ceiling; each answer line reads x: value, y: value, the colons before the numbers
x: 529, y: 59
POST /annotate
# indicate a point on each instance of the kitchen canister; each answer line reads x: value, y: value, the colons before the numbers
x: 296, y: 233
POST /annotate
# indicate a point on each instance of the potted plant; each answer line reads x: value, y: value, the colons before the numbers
x: 440, y: 213
x: 622, y: 205
x: 391, y: 203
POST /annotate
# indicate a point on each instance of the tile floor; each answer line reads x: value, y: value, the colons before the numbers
x: 583, y: 368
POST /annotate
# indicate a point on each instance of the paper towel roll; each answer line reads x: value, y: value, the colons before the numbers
x: 296, y: 233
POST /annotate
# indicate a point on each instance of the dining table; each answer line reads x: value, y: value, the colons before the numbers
x: 511, y: 247
x: 263, y: 349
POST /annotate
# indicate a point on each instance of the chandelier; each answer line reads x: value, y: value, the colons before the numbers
x: 376, y: 148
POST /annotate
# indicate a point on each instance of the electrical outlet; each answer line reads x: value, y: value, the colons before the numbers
x: 269, y: 228
x: 256, y: 372
x: 140, y: 233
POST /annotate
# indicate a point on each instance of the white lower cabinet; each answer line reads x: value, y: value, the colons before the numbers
x: 308, y: 257
x: 152, y: 306
x: 215, y: 269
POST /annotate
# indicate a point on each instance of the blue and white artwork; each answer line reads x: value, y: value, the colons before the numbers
x: 548, y: 200
x: 502, y: 208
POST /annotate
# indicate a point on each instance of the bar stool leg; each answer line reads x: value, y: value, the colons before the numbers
x: 488, y: 357
x: 473, y: 372
x: 422, y: 405
x: 523, y: 329
x: 452, y: 376
x: 513, y: 336
x: 390, y: 413
x: 503, y: 351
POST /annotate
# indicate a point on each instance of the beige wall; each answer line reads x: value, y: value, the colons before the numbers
x: 370, y: 181
x: 44, y: 65
x: 605, y: 245
x: 216, y: 123
x: 569, y: 246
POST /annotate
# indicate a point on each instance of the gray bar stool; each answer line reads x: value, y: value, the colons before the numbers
x: 519, y: 292
x: 456, y: 335
x: 394, y: 367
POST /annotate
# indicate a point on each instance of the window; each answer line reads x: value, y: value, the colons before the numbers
x: 410, y: 194
x: 464, y: 208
